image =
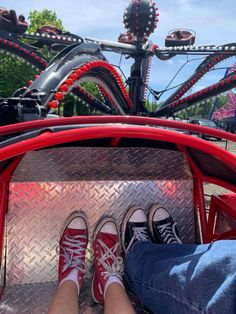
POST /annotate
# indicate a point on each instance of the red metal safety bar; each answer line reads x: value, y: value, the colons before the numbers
x: 47, y: 139
x: 115, y: 133
x: 30, y: 125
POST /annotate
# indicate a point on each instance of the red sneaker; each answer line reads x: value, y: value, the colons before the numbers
x: 107, y: 259
x: 73, y: 245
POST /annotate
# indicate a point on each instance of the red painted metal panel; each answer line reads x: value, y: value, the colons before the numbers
x: 225, y: 206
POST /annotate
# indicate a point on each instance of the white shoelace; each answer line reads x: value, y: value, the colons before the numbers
x: 116, y: 269
x: 168, y: 233
x: 139, y: 234
x: 73, y: 250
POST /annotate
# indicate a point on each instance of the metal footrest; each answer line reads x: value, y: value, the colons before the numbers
x: 27, y: 299
x: 36, y: 299
x: 48, y: 185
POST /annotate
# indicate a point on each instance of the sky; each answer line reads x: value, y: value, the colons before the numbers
x: 213, y: 21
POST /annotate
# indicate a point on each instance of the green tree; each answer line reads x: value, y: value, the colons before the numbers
x: 151, y: 105
x: 72, y: 105
x: 15, y: 73
x: 202, y: 110
x: 45, y: 17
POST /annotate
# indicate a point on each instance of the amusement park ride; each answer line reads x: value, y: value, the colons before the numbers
x: 102, y: 164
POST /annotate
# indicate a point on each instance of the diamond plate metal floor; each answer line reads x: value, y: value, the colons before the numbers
x: 36, y: 298
x: 48, y: 185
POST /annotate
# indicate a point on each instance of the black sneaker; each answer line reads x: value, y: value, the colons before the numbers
x: 162, y: 226
x: 134, y: 228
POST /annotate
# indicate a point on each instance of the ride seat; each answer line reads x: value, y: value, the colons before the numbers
x: 13, y: 17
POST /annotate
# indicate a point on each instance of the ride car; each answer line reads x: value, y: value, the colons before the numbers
x: 9, y: 21
x: 180, y: 37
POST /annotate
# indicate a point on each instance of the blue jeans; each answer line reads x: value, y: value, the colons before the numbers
x: 184, y: 278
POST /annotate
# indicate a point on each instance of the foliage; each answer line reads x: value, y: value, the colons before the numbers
x: 45, y: 17
x: 14, y: 73
x: 151, y: 106
x: 92, y: 89
x: 72, y: 105
x: 202, y: 110
x: 39, y: 18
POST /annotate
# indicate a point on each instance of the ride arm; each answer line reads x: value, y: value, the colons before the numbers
x: 213, y: 90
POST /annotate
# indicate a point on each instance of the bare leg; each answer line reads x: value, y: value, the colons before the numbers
x: 65, y: 299
x: 117, y: 301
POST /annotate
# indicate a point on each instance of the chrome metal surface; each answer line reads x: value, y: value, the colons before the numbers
x: 48, y: 185
x: 102, y: 163
x: 224, y: 222
x: 3, y: 263
x: 36, y: 299
x: 27, y: 299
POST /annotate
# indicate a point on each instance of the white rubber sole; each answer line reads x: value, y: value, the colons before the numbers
x: 151, y: 213
x: 77, y: 214
x: 126, y: 218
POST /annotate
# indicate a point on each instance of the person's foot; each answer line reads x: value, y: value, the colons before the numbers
x: 162, y: 226
x: 73, y: 245
x: 134, y: 228
x: 108, y: 263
